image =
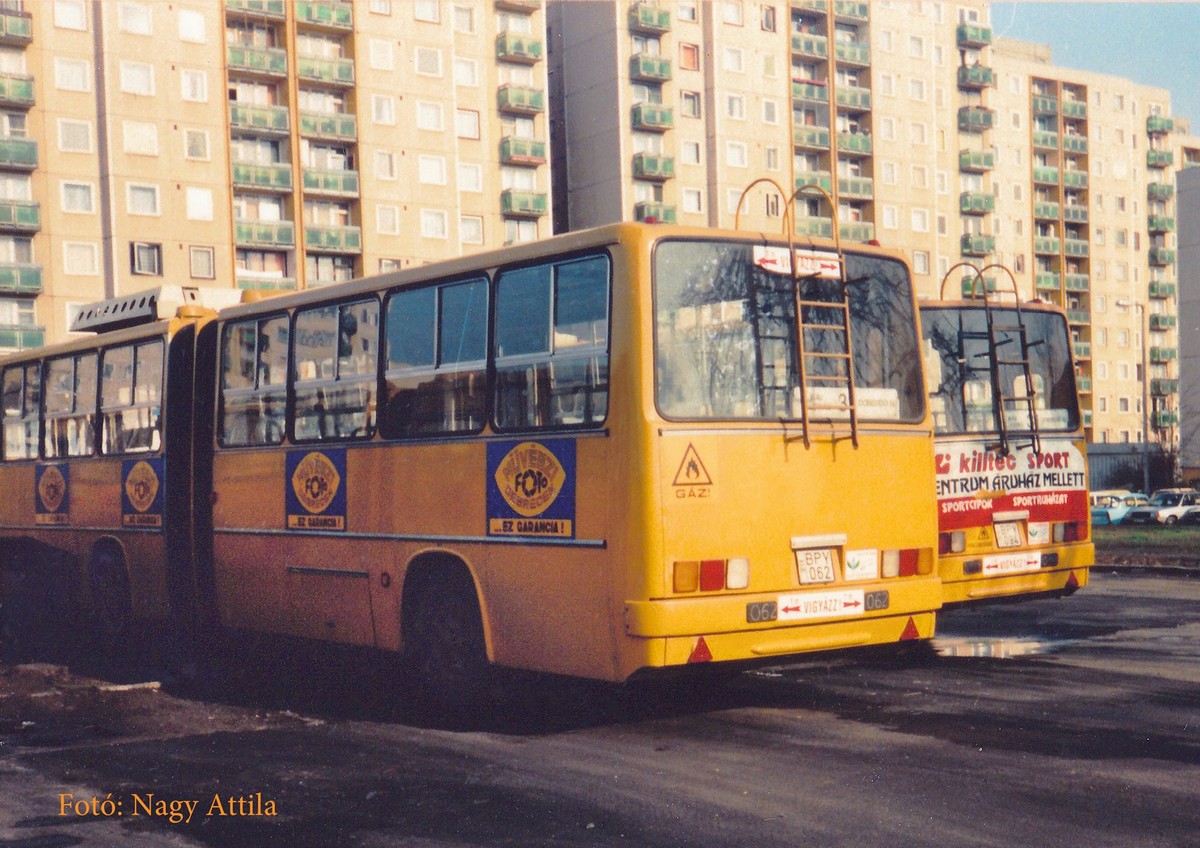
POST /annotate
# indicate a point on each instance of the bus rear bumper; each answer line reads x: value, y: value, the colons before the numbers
x: 1070, y: 572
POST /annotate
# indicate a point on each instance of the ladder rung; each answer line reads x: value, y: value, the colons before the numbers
x: 841, y: 328
x: 824, y: 304
x: 827, y: 355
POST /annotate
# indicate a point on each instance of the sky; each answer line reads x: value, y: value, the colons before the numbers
x: 1149, y: 43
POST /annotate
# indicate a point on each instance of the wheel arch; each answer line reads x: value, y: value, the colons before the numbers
x: 433, y: 568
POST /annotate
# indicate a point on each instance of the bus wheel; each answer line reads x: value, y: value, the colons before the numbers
x: 445, y: 658
x: 112, y: 610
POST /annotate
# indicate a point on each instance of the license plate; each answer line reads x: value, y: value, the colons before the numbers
x: 815, y: 565
x: 1008, y: 534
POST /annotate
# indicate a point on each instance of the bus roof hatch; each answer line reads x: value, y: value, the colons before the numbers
x: 149, y: 305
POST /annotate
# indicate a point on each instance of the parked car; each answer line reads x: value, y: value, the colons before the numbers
x: 1166, y: 506
x: 1113, y: 507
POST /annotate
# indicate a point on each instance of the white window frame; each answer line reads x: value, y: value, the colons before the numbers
x: 75, y: 67
x: 195, y: 251
x: 72, y: 122
x: 200, y: 203
x: 135, y: 18
x: 80, y: 248
x: 193, y: 85
x: 187, y: 154
x: 70, y: 14
x: 467, y: 225
x: 133, y: 188
x: 387, y: 219
x: 431, y: 170
x: 434, y: 224
x: 192, y: 27
x: 131, y: 141
x: 91, y: 195
x: 428, y: 109
x: 421, y: 55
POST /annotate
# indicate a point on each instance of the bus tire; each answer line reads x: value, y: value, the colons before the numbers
x: 112, y: 608
x: 445, y: 658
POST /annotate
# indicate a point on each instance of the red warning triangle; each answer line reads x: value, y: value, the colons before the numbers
x: 910, y: 631
x: 1072, y: 581
x: 700, y: 653
x: 691, y: 470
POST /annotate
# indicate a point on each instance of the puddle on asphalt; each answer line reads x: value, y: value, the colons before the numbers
x: 996, y: 647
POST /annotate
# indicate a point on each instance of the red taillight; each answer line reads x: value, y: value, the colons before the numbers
x: 712, y: 575
x: 909, y: 562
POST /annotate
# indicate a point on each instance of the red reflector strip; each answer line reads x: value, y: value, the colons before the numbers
x: 712, y: 575
x: 910, y: 631
x: 700, y: 653
x: 909, y: 559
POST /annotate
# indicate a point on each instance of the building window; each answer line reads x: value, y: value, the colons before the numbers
x: 135, y: 18
x: 199, y: 204
x: 71, y: 74
x: 735, y: 154
x: 519, y: 230
x: 731, y: 12
x: 427, y: 10
x: 689, y: 57
x: 193, y: 86
x: 470, y: 229
x: 77, y: 197
x: 767, y: 18
x: 735, y: 59
x: 466, y: 123
x: 735, y: 107
x: 380, y: 7
x: 142, y: 199
x: 387, y: 219
x: 693, y: 200
x: 137, y: 78
x: 385, y: 165
x: 202, y: 263
x: 687, y: 10
x: 470, y: 177
x: 920, y: 262
x: 379, y: 55
x: 195, y: 144
x: 464, y: 19
x: 70, y: 14
x: 920, y: 220
x: 770, y: 112
x: 429, y: 117
x: 689, y: 152
x: 191, y: 27
x: 383, y: 109
x: 145, y: 258
x: 74, y: 136
x: 140, y: 137
x: 81, y: 258
x: 428, y: 62
x: 689, y: 103
x: 466, y: 72
x: 433, y: 224
x: 432, y: 170
x: 771, y: 158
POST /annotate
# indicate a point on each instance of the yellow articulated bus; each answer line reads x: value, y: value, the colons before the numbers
x: 628, y: 449
x: 1013, y: 514
x: 93, y: 431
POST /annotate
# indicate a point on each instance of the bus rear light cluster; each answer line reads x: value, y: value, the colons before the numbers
x: 1069, y: 531
x: 954, y: 542
x: 906, y: 562
x: 710, y: 575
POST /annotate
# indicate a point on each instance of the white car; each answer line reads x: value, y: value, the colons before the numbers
x: 1166, y: 506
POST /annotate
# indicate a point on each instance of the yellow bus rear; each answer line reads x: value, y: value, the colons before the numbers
x: 591, y: 456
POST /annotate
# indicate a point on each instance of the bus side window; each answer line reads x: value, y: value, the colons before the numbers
x: 22, y: 393
x: 336, y: 356
x: 70, y: 406
x: 130, y: 398
x: 254, y: 381
x: 552, y: 344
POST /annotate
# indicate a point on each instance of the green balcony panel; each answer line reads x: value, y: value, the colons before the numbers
x: 649, y: 68
x: 1165, y: 418
x: 1083, y: 383
x: 850, y: 9
x: 522, y: 151
x: 975, y: 119
x: 336, y: 126
x: 1162, y: 323
x: 975, y: 77
x: 19, y: 278
x: 853, y: 97
x: 1159, y: 124
x: 333, y: 239
x: 21, y: 215
x: 1078, y: 316
x: 1072, y: 178
x: 1074, y: 214
x: 654, y: 212
x: 807, y: 44
x: 970, y: 35
x: 1160, y: 223
x: 1163, y: 386
x: 274, y: 9
x: 976, y: 203
x: 330, y: 13
x: 1046, y: 210
x: 1074, y: 108
x: 856, y: 188
x: 1044, y: 104
x: 650, y: 116
x: 1047, y: 245
x: 813, y: 226
x: 854, y: 143
x: 1087, y: 417
x: 810, y: 91
x: 320, y: 181
x: 973, y: 245
x: 278, y: 176
x: 857, y: 230
x: 1159, y: 158
x: 18, y: 153
x: 1074, y: 143
x: 971, y: 286
x: 531, y: 204
x: 649, y: 17
x: 976, y: 161
x: 811, y: 137
x: 329, y: 71
x: 513, y: 47
x: 16, y: 90
x: 852, y: 53
x: 263, y: 60
x: 264, y: 233
x: 15, y: 27
x: 520, y: 99
x: 1160, y: 191
x: 1045, y: 139
x: 267, y: 283
x: 1082, y: 349
x: 650, y: 166
x: 273, y: 119
x: 1045, y: 174
x: 1077, y: 282
x: 1160, y: 290
x: 1162, y: 256
x: 1075, y: 247
x: 21, y: 336
x: 824, y: 179
x: 1163, y: 355
x: 1046, y: 281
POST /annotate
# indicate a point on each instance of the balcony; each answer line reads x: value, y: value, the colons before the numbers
x: 332, y: 239
x: 856, y: 188
x: 513, y: 47
x: 277, y: 177
x: 1160, y: 191
x: 275, y: 10
x: 971, y: 287
x: 268, y: 61
x: 857, y: 230
x: 849, y: 10
x: 525, y: 7
x: 854, y: 98
x: 650, y: 166
x: 1044, y: 104
x: 976, y: 161
x: 1077, y: 282
x: 20, y: 216
x: 1162, y: 418
x: 649, y: 17
x: 858, y: 143
x: 1163, y: 355
x: 1161, y: 291
x: 1075, y: 214
x: 1073, y: 178
x: 1156, y: 124
x: 812, y: 226
x: 1160, y: 223
x: 1159, y: 158
x: 1046, y: 210
x: 1083, y: 350
x: 815, y: 137
x: 975, y: 119
x: 18, y: 278
x: 1086, y: 414
x: 527, y: 204
x: 812, y: 46
x: 1083, y: 382
x: 1162, y: 386
x: 1045, y: 175
x: 810, y: 91
x: 1162, y: 323
x: 661, y: 213
x: 341, y: 183
x: 1072, y: 143
x: 975, y: 77
x: 1161, y: 256
x: 264, y: 233
x: 652, y: 117
x: 970, y: 35
x: 333, y: 126
x: 1078, y: 316
x: 823, y: 179
x: 255, y: 283
x: 21, y: 336
x: 16, y: 90
x: 648, y: 68
x: 1047, y: 246
x: 852, y: 53
x: 1047, y: 281
x: 520, y: 99
x: 1075, y: 247
x: 976, y: 203
x: 522, y: 151
x: 263, y: 119
x: 338, y: 72
x: 15, y: 27
x: 1074, y: 108
x: 325, y: 13
x: 1045, y: 140
x: 18, y: 154
x: 977, y: 245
